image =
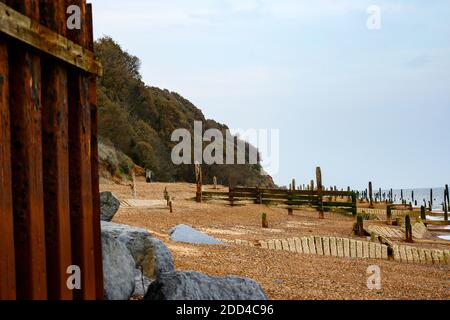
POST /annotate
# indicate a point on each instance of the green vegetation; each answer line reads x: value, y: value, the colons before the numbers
x: 138, y: 121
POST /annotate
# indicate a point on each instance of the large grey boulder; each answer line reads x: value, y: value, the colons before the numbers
x: 118, y: 269
x: 109, y: 205
x: 141, y: 284
x: 196, y: 286
x: 186, y: 234
x: 149, y: 253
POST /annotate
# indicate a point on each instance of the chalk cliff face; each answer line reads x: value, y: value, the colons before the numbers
x: 138, y: 121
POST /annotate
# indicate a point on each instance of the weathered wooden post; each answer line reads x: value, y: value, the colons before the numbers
x: 401, y: 195
x: 389, y: 215
x: 408, y: 229
x: 445, y: 211
x: 215, y: 182
x: 294, y: 185
x: 359, y: 226
x: 355, y: 204
x: 198, y: 179
x: 166, y: 195
x: 265, y: 222
x: 312, y: 185
x: 412, y: 196
x: 423, y: 214
x: 431, y: 199
x: 290, y: 211
x: 170, y: 205
x: 447, y: 196
x: 133, y: 186
x: 379, y: 196
x: 370, y: 195
x: 446, y: 201
x: 319, y: 191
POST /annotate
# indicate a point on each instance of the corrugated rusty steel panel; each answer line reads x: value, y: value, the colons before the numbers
x: 7, y: 259
x: 95, y: 163
x: 26, y: 148
x: 55, y: 126
x: 29, y: 31
x: 81, y: 201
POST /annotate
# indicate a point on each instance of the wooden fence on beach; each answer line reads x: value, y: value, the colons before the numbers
x: 48, y: 146
x: 290, y: 199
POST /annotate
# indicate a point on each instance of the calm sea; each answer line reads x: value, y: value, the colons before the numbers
x: 420, y: 195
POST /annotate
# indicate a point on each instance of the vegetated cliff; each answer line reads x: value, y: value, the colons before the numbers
x: 138, y: 121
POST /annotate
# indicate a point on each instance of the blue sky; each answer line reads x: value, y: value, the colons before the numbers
x: 363, y: 104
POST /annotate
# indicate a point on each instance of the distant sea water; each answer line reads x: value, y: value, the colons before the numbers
x: 420, y: 195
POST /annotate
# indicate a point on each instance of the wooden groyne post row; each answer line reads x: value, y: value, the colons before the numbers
x: 49, y: 139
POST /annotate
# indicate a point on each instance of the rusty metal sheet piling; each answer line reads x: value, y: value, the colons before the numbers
x: 26, y: 148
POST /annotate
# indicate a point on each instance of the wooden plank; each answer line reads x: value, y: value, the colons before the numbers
x: 271, y: 244
x: 353, y: 249
x: 441, y: 257
x: 347, y: 248
x: 447, y: 256
x: 264, y: 244
x: 435, y: 256
x: 339, y: 204
x: 337, y: 194
x: 403, y: 256
x: 305, y: 246
x: 366, y: 251
x: 7, y: 257
x: 298, y: 245
x: 55, y: 141
x: 278, y: 245
x: 285, y: 245
x: 340, y: 247
x: 26, y: 149
x: 326, y: 246
x: 396, y: 252
x: 28, y: 31
x: 378, y: 251
x: 312, y: 245
x: 415, y: 253
x: 333, y: 247
x: 409, y: 254
x: 428, y: 256
x: 422, y: 257
x: 95, y: 163
x: 436, y: 223
x: 81, y: 200
x: 359, y: 250
x: 372, y: 250
x: 319, y: 245
x: 384, y: 252
x: 248, y: 190
x: 292, y: 247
